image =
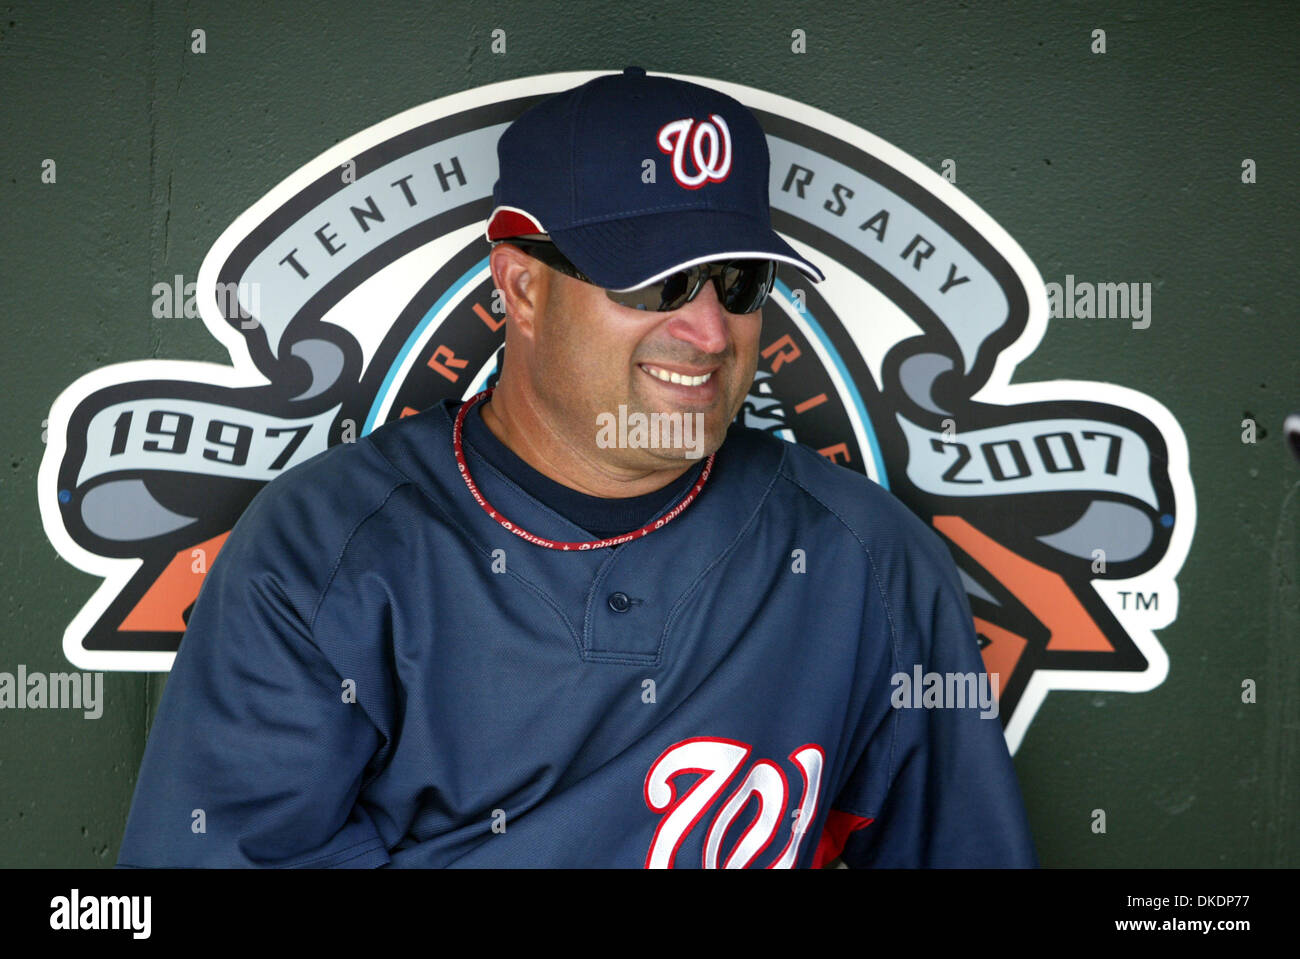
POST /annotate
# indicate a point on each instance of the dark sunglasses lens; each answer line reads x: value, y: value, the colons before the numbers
x: 678, y: 288
x: 746, y: 284
x: 668, y: 294
x: 645, y: 298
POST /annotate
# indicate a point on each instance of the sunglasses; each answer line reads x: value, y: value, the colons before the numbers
x: 743, y: 286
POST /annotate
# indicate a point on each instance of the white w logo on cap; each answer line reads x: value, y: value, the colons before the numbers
x: 673, y: 137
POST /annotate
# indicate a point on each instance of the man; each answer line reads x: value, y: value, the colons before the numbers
x: 503, y: 632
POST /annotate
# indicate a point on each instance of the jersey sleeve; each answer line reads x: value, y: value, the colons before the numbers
x: 935, y: 786
x: 255, y: 758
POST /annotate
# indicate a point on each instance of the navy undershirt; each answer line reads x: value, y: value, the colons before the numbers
x: 599, y: 516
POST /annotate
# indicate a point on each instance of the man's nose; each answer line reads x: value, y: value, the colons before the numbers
x: 702, y: 322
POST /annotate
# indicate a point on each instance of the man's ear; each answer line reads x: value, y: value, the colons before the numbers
x: 523, y: 283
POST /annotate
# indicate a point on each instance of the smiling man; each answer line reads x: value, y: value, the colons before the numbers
x: 485, y: 636
x: 579, y: 359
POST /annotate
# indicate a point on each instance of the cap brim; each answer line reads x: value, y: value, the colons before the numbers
x: 629, y: 253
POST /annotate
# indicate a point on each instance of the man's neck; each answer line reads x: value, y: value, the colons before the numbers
x: 530, y: 437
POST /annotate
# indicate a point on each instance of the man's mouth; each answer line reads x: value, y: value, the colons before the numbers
x: 677, y: 377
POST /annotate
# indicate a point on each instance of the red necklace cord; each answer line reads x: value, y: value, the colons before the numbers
x: 552, y: 544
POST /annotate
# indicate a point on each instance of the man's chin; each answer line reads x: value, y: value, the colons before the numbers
x: 672, y: 458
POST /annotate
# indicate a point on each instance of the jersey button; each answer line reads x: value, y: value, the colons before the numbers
x: 619, y: 602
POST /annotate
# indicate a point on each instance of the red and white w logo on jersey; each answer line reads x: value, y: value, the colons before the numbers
x: 716, y: 762
x: 673, y: 139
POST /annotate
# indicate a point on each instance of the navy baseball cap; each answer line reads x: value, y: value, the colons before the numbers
x: 573, y: 168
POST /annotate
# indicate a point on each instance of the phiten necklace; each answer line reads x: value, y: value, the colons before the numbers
x: 646, y: 530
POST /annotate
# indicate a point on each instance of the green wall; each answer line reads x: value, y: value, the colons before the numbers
x: 1123, y: 166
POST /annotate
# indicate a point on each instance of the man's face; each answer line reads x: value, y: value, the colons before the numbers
x: 589, y: 355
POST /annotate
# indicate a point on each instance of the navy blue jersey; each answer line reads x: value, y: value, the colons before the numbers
x: 376, y: 673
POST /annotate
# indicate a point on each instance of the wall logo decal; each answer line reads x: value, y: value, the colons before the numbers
x: 357, y: 291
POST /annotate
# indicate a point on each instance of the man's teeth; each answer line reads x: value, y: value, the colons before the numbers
x: 669, y: 377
